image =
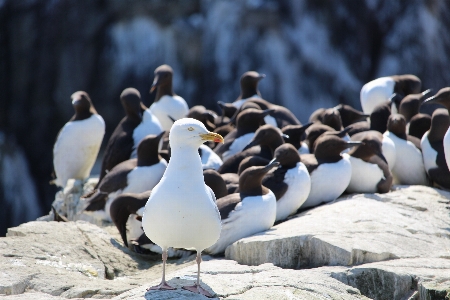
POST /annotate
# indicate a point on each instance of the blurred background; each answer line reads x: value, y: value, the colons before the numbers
x: 315, y: 53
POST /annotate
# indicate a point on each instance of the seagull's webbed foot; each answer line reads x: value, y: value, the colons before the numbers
x: 162, y: 286
x: 198, y: 289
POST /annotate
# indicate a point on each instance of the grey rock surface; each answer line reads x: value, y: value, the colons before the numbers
x: 229, y: 280
x: 423, y: 278
x: 393, y: 246
x: 70, y: 260
x: 409, y: 222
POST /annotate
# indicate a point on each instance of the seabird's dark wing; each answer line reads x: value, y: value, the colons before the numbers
x: 310, y: 161
x: 227, y: 204
x: 438, y: 146
x: 116, y: 179
x: 275, y: 182
x: 97, y: 201
x: 113, y: 181
x: 231, y: 165
x: 415, y: 141
x: 119, y: 147
x: 123, y: 206
x: 142, y: 240
x: 440, y: 176
x: 228, y: 140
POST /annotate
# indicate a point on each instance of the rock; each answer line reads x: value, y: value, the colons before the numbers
x: 409, y: 222
x: 229, y: 280
x: 73, y: 259
x: 70, y: 204
x: 390, y: 246
x: 424, y: 278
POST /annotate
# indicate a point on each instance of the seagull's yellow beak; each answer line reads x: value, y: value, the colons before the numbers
x: 212, y: 136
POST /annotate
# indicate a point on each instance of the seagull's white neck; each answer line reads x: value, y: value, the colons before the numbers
x: 185, y: 160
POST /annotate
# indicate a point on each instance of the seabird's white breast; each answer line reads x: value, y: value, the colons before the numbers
x: 149, y: 125
x: 144, y: 178
x: 409, y: 168
x: 428, y: 153
x: 237, y: 145
x: 329, y: 181
x: 376, y: 92
x: 365, y: 176
x: 173, y: 106
x: 76, y: 148
x: 304, y: 149
x: 299, y: 186
x: 446, y: 142
x: 388, y: 149
x: 252, y: 215
x: 210, y: 160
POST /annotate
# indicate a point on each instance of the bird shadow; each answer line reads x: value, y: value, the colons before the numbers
x: 147, y: 260
x: 180, y: 293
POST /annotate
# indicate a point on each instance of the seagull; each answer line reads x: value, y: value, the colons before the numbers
x: 181, y: 211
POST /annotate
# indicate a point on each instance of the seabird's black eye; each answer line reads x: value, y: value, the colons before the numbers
x: 190, y: 129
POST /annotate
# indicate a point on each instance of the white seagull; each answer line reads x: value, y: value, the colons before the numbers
x: 181, y: 211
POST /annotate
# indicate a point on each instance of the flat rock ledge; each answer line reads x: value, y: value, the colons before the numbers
x: 371, y: 246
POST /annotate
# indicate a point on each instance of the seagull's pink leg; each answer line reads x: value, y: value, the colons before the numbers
x: 196, y: 288
x: 163, y: 285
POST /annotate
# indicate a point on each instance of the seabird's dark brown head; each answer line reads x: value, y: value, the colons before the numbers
x: 397, y: 125
x: 250, y: 119
x: 228, y: 109
x: 379, y: 117
x: 332, y: 118
x: 410, y: 105
x: 131, y: 102
x: 266, y: 135
x: 407, y: 84
x: 147, y: 150
x: 124, y: 205
x: 287, y: 156
x: 162, y: 82
x: 250, y: 181
x: 328, y: 148
x: 296, y: 133
x: 314, y: 131
x: 83, y: 106
x: 215, y: 181
x: 372, y: 145
x: 419, y: 124
x: 249, y: 84
x: 250, y: 162
x: 349, y: 115
x: 246, y: 105
x: 439, y: 125
x: 316, y: 116
x: 442, y: 97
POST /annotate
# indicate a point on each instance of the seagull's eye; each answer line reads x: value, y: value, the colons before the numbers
x: 190, y: 128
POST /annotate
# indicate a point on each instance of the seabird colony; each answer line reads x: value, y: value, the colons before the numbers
x: 175, y: 180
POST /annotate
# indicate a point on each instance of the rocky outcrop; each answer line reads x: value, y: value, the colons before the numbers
x: 409, y: 222
x: 390, y: 246
x: 416, y: 278
x: 72, y: 260
x: 229, y: 280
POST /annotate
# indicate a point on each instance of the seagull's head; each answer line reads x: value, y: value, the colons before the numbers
x: 188, y: 131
